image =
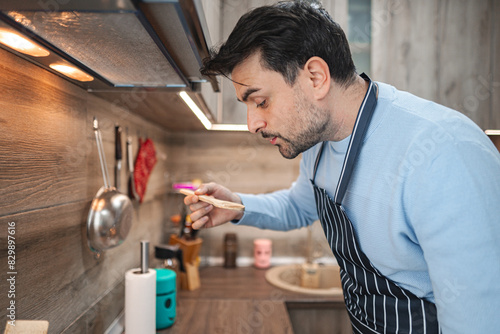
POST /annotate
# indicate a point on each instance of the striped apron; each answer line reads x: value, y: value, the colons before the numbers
x: 375, y: 304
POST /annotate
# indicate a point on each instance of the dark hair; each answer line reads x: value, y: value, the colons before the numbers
x: 287, y: 34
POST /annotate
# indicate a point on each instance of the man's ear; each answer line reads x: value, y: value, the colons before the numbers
x: 318, y: 75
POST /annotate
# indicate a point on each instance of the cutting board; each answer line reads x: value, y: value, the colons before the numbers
x: 28, y: 327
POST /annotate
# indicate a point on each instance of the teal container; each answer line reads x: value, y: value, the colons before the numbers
x: 165, y: 298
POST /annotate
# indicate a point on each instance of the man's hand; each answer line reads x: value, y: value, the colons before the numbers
x: 204, y: 214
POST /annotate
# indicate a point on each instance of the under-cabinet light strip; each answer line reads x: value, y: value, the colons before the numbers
x: 204, y: 120
x: 16, y: 41
x: 229, y: 127
x: 71, y: 72
x: 492, y: 132
x: 197, y: 111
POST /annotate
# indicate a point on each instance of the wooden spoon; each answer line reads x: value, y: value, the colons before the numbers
x: 214, y: 201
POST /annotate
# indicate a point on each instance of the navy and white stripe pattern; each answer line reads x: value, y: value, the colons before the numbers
x: 375, y: 304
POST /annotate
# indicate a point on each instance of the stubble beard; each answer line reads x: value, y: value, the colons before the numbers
x: 308, y: 129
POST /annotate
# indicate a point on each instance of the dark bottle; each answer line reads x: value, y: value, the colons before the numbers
x: 187, y: 233
x: 183, y: 220
x: 230, y: 250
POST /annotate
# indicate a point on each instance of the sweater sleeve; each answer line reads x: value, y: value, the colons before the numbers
x: 282, y: 210
x: 452, y: 202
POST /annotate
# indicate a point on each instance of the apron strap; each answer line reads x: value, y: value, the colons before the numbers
x: 362, y: 121
x: 318, y: 158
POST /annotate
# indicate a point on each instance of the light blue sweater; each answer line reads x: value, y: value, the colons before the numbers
x: 424, y: 199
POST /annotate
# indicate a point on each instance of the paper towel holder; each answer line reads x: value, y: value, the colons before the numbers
x: 144, y: 256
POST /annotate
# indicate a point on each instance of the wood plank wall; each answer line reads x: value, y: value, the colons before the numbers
x: 445, y: 51
x: 49, y: 173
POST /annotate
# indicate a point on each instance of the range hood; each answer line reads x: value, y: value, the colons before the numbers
x: 117, y: 44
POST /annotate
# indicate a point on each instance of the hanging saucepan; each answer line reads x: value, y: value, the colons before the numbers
x: 110, y: 215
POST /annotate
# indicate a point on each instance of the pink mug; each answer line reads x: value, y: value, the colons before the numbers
x: 262, y: 250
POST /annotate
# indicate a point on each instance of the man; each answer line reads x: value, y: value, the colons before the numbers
x: 406, y: 190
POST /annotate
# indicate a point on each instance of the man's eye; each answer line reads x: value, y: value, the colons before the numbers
x: 262, y: 104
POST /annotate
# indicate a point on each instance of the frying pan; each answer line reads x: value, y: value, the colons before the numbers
x: 110, y: 215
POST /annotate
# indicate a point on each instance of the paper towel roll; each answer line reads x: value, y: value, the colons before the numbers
x: 140, y: 302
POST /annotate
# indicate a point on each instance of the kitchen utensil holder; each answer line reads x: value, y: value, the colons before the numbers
x: 190, y: 280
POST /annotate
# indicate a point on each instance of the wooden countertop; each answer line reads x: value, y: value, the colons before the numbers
x: 239, y: 300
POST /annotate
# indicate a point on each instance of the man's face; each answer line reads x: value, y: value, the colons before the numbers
x: 285, y: 114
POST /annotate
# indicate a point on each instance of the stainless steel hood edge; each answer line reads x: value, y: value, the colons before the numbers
x: 161, y: 46
x: 188, y: 14
x: 192, y: 19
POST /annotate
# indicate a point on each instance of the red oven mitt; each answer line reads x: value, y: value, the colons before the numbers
x: 144, y: 163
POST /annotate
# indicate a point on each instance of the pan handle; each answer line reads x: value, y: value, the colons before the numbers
x: 118, y: 143
x: 129, y: 155
x: 118, y: 155
x: 100, y: 149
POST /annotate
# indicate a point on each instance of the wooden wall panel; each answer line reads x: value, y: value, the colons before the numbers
x: 494, y: 88
x: 242, y: 161
x: 338, y: 10
x: 49, y: 173
x: 58, y: 277
x: 440, y: 50
x: 41, y: 119
x: 404, y: 38
x: 464, y: 58
x: 110, y: 115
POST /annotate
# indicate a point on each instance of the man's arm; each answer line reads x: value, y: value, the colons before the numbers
x: 453, y: 204
x: 281, y: 210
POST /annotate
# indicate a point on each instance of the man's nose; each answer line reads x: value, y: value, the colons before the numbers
x: 255, y: 122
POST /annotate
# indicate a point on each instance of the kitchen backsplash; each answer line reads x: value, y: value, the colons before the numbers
x: 49, y: 173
